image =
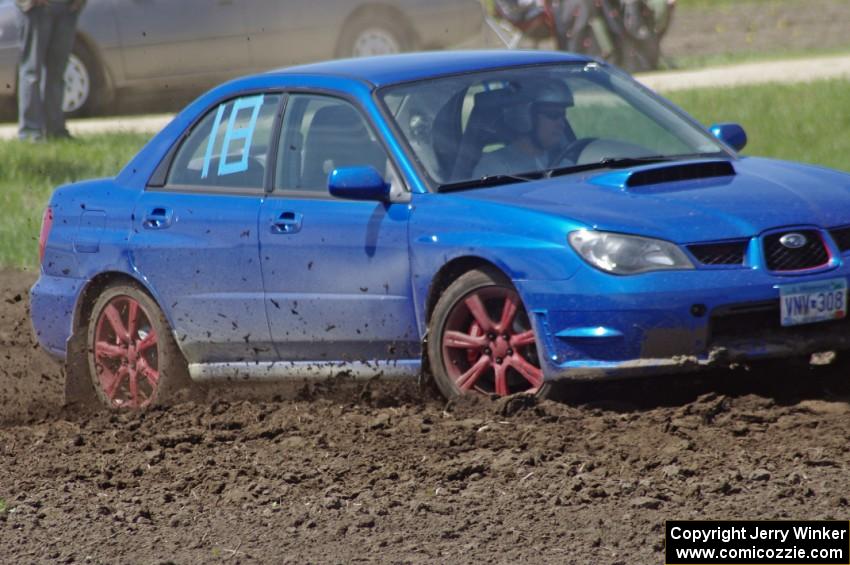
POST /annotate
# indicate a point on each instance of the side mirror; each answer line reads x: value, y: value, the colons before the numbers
x: 358, y: 183
x: 732, y: 135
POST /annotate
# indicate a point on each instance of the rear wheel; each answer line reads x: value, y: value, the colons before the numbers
x: 481, y: 339
x: 133, y: 359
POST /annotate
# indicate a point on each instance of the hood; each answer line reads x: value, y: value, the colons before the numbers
x: 762, y: 194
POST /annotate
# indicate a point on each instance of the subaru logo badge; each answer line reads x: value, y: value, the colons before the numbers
x: 793, y: 240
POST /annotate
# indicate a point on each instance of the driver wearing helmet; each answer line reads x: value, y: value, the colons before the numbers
x: 540, y: 127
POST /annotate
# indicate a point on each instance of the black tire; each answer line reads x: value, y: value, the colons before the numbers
x: 386, y: 26
x: 93, y: 102
x: 454, y: 366
x: 103, y: 341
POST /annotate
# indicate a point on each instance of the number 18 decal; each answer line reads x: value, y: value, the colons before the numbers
x: 233, y: 134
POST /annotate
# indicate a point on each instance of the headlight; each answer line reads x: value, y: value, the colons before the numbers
x: 627, y: 254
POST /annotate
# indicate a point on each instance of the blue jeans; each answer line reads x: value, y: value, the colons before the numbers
x: 47, y: 36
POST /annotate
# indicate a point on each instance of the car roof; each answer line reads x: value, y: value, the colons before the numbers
x: 391, y: 69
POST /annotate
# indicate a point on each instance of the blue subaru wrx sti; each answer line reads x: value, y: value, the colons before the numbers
x: 500, y: 220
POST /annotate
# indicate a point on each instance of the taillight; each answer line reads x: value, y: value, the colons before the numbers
x: 46, y: 224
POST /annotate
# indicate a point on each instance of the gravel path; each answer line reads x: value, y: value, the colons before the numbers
x: 790, y: 71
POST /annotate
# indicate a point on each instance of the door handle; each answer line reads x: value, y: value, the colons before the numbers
x: 158, y: 219
x: 287, y: 222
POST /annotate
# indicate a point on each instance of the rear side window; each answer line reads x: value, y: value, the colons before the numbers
x: 229, y: 146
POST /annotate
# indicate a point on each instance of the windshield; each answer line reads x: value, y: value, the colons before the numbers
x: 524, y: 122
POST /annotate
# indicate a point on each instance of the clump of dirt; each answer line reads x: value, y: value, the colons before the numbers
x: 31, y: 384
x: 377, y: 472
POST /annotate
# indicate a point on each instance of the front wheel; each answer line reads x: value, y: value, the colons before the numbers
x: 133, y: 359
x: 84, y: 83
x: 374, y: 33
x: 481, y: 339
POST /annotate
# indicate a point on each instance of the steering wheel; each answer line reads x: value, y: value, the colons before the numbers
x: 572, y: 150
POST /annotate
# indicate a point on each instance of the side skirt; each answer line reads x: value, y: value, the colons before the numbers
x: 285, y: 370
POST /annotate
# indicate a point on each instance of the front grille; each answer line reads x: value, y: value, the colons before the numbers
x: 745, y: 320
x: 762, y: 319
x: 780, y: 258
x: 726, y: 253
x: 841, y: 236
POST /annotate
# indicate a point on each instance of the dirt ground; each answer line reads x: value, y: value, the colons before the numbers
x: 381, y: 472
x: 762, y: 27
x: 738, y: 30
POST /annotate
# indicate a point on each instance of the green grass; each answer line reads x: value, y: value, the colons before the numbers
x: 30, y: 172
x: 801, y: 122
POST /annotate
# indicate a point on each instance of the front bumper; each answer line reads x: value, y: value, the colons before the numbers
x: 596, y: 325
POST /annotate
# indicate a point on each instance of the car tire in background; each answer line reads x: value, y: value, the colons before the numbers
x: 375, y: 32
x: 85, y: 82
x: 133, y: 359
x: 479, y: 330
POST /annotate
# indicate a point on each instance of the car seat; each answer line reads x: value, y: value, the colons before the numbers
x: 485, y: 126
x: 338, y: 138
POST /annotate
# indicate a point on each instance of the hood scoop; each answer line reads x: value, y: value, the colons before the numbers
x: 679, y: 172
x: 666, y: 173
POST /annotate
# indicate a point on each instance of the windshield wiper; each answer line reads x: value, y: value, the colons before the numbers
x: 489, y: 180
x: 623, y: 162
x: 608, y: 163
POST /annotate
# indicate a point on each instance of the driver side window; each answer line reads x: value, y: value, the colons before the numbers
x: 320, y: 134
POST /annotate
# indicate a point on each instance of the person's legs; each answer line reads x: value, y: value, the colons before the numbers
x: 58, y: 51
x: 35, y: 26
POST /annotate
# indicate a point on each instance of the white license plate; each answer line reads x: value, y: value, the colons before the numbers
x: 807, y: 303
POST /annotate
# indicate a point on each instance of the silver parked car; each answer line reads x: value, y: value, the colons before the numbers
x: 162, y: 47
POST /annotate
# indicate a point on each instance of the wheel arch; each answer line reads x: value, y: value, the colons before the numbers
x: 90, y: 45
x: 96, y: 286
x: 450, y: 272
x: 372, y: 8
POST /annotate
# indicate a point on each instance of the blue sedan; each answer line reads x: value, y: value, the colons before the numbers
x: 497, y: 220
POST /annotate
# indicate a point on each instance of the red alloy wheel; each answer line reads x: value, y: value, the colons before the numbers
x: 126, y: 354
x: 488, y: 344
